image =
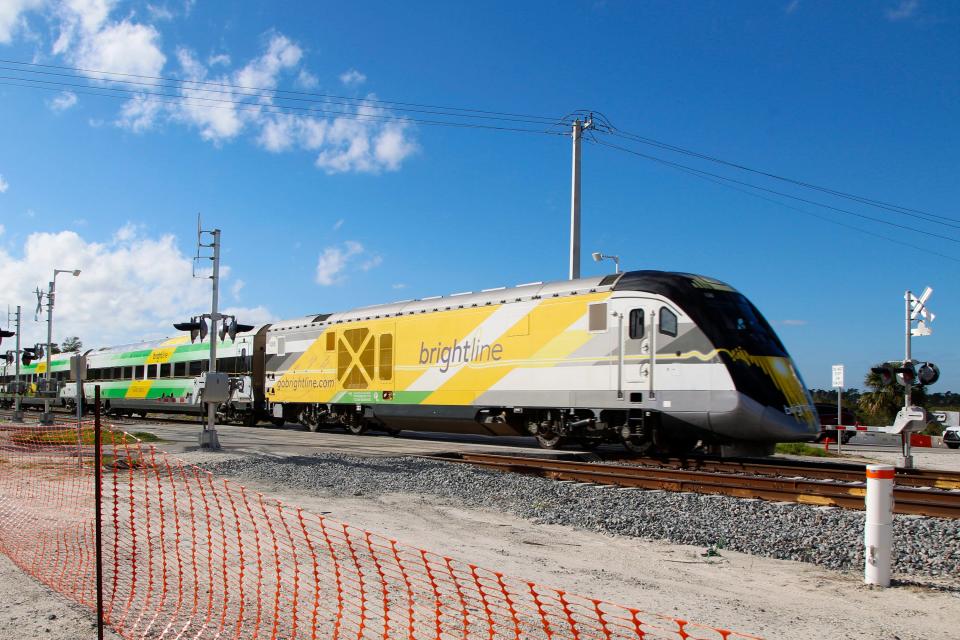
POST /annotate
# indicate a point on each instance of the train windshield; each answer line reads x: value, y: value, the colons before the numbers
x: 731, y: 321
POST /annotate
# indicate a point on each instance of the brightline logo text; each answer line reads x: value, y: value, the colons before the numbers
x: 459, y: 353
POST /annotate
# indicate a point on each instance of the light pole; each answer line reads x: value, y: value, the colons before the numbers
x: 51, y: 294
x: 597, y: 257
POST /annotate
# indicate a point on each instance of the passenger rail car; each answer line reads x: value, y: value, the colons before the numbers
x: 655, y: 360
x: 651, y: 359
x: 148, y: 377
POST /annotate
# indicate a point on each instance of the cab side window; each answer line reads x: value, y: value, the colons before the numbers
x: 668, y: 322
x: 636, y: 324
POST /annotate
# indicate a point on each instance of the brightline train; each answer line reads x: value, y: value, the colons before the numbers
x: 655, y: 360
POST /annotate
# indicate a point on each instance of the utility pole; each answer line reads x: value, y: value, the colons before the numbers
x: 208, y: 437
x: 17, y: 409
x: 578, y: 129
x: 47, y: 417
x: 907, y: 459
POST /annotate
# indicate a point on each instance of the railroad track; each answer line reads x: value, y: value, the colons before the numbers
x: 844, y: 471
x: 942, y: 503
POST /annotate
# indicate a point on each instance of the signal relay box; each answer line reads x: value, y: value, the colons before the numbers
x: 215, y: 386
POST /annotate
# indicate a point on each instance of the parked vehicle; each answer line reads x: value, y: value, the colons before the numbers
x: 951, y: 437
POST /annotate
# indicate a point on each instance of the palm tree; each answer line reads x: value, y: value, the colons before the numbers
x: 883, y: 401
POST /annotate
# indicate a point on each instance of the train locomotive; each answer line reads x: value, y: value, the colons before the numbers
x: 658, y: 361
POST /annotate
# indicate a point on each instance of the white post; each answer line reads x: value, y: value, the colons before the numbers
x: 17, y: 411
x: 575, y: 203
x: 878, y: 525
x: 839, y: 420
x: 47, y: 416
x: 907, y: 460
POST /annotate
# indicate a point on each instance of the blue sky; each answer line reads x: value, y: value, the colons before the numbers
x: 322, y: 215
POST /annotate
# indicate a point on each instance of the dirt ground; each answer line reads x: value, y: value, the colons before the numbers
x: 30, y: 610
x: 760, y: 596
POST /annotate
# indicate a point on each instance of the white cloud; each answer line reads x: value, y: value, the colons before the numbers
x: 251, y: 315
x: 793, y: 323
x: 219, y: 59
x: 122, y: 47
x: 306, y: 80
x: 371, y: 262
x: 3, y: 229
x: 236, y: 287
x: 140, y: 113
x: 366, y: 145
x: 132, y: 287
x: 399, y: 285
x: 4, y: 185
x: 792, y: 6
x: 159, y: 12
x: 352, y: 78
x: 338, y: 224
x: 11, y: 17
x: 63, y: 101
x: 334, y: 260
x: 90, y: 35
x: 905, y: 9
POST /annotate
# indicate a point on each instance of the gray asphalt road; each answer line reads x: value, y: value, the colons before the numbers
x: 291, y: 440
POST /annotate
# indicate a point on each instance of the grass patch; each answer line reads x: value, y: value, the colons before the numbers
x: 60, y: 437
x: 803, y: 449
x: 146, y: 436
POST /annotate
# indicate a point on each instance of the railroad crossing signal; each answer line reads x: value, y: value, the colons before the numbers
x: 6, y: 334
x: 232, y: 328
x: 920, y: 314
x: 198, y: 327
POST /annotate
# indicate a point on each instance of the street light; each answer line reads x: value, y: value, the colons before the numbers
x: 51, y: 294
x: 597, y: 257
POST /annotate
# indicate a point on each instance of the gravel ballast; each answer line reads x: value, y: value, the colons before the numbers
x: 825, y: 536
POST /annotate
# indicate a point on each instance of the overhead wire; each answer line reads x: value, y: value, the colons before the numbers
x: 196, y: 93
x: 774, y: 191
x: 30, y: 67
x: 223, y: 103
x: 930, y: 217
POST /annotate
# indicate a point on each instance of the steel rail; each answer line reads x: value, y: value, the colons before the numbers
x: 848, y: 472
x: 908, y: 500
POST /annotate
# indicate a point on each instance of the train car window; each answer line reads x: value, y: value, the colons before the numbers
x: 195, y: 368
x: 668, y: 322
x: 281, y: 346
x: 179, y: 369
x: 138, y: 372
x: 636, y: 324
x: 165, y: 370
x: 331, y: 340
x: 128, y: 373
x: 151, y: 371
x: 386, y: 356
x: 597, y: 317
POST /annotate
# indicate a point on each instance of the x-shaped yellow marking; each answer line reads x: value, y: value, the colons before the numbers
x: 355, y: 362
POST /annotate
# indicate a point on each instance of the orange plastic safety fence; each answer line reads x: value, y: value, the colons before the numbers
x: 189, y: 555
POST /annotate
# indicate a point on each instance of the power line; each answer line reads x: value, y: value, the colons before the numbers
x: 834, y: 192
x: 127, y: 94
x: 773, y: 191
x: 926, y: 250
x: 29, y: 67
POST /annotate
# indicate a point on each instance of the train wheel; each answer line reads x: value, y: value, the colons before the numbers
x: 637, y: 446
x: 250, y: 419
x: 357, y: 428
x: 550, y: 441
